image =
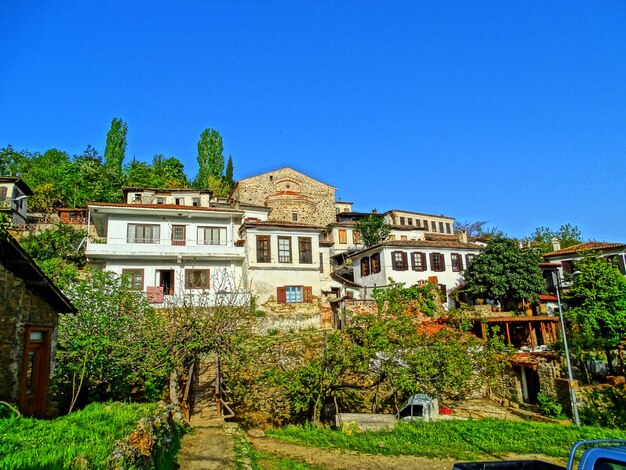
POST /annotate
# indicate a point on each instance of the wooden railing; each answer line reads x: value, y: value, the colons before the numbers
x: 220, y: 393
x: 185, y: 404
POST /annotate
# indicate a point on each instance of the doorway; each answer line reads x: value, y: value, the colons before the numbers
x: 35, y: 371
x: 166, y: 281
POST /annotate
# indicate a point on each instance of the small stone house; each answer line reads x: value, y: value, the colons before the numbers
x: 29, y: 317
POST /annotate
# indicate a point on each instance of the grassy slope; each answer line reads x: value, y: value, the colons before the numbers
x: 31, y: 443
x: 462, y: 440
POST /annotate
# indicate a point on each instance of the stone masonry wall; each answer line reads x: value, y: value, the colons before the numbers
x: 313, y: 200
x: 19, y: 307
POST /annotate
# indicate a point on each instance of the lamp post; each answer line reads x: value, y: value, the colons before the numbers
x: 572, y: 392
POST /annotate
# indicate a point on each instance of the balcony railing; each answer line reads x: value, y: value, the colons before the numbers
x: 157, y: 241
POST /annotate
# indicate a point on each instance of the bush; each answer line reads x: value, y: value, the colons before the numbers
x: 605, y: 406
x: 549, y: 407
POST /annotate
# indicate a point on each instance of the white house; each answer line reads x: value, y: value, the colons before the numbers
x: 284, y: 261
x: 165, y: 249
x: 413, y: 262
x: 14, y: 195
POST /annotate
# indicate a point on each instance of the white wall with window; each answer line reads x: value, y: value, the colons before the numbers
x: 412, y: 263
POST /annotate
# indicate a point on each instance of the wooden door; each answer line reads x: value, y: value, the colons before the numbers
x: 35, y: 371
x: 178, y: 235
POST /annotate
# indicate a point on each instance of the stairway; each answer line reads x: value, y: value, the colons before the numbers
x: 203, y: 403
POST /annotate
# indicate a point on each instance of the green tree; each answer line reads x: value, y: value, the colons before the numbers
x: 13, y: 163
x: 505, y: 271
x: 210, y: 158
x: 229, y: 181
x: 59, y: 252
x: 373, y: 230
x: 47, y: 175
x: 170, y: 172
x: 115, y: 149
x: 597, y: 300
x: 568, y: 235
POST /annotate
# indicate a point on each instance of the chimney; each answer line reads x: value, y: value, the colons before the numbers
x: 556, y: 244
x: 463, y: 236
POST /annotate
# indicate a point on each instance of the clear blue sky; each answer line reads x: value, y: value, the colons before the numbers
x: 510, y: 112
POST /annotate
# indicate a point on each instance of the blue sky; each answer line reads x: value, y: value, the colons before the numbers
x: 509, y: 112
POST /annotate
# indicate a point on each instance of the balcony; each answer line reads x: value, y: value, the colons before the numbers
x: 162, y: 248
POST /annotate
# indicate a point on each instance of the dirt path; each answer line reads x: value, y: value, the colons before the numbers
x: 206, y: 448
x: 335, y: 459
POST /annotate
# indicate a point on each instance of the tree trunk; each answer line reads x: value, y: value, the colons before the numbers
x: 609, y: 361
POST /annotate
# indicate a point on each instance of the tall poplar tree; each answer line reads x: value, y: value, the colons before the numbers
x: 229, y: 181
x: 115, y: 149
x: 210, y: 159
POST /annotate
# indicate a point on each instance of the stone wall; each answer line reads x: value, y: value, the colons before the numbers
x: 19, y: 308
x: 287, y: 191
x: 292, y: 317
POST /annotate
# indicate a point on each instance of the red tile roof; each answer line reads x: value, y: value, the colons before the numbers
x: 582, y: 247
x: 164, y: 206
x: 423, y: 244
x: 547, y: 297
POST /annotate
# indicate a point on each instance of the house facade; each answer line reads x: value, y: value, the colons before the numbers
x: 14, y: 195
x: 564, y: 260
x: 414, y: 262
x: 29, y: 318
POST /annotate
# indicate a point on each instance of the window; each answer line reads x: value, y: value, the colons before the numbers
x: 137, y: 197
x: 178, y: 235
x: 143, y: 233
x: 456, y: 260
x: 133, y: 278
x: 418, y: 261
x: 437, y: 262
x: 180, y: 201
x: 448, y: 228
x: 294, y: 216
x: 263, y: 254
x: 211, y: 236
x: 304, y: 250
x: 392, y: 237
x: 294, y: 294
x: 409, y: 221
x: 343, y: 238
x: 284, y: 249
x: 365, y: 266
x: 375, y: 261
x: 195, y: 201
x: 196, y: 278
x: 401, y: 220
x: 440, y: 227
x: 321, y: 262
x: 425, y: 224
x: 399, y: 261
x: 468, y: 259
x: 567, y: 266
x: 403, y: 237
x: 160, y: 200
x: 356, y: 237
x: 433, y: 226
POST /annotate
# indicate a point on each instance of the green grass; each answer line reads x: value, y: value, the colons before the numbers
x: 27, y: 443
x: 461, y: 440
x: 245, y: 453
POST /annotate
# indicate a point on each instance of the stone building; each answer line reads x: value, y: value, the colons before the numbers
x: 292, y: 196
x: 29, y: 315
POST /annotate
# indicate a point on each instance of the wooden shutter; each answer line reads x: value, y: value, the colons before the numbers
x: 405, y: 262
x: 432, y: 261
x: 423, y: 256
x: 308, y: 293
x: 3, y: 193
x: 567, y: 267
x: 460, y: 258
x: 281, y: 295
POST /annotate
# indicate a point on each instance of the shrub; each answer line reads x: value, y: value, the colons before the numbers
x: 549, y: 407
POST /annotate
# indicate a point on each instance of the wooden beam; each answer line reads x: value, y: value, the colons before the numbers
x: 530, y: 331
x: 508, y: 334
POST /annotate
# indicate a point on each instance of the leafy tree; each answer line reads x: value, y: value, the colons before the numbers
x: 568, y: 235
x: 210, y: 159
x: 373, y: 230
x: 472, y: 228
x: 59, y: 252
x: 597, y: 300
x: 140, y: 174
x: 170, y: 172
x: 89, y: 180
x: 505, y: 271
x: 115, y: 149
x: 46, y: 176
x: 13, y: 163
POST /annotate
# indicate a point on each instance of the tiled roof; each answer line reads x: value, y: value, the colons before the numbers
x: 440, y: 216
x: 549, y: 265
x: 164, y: 206
x: 582, y: 247
x: 130, y: 189
x: 547, y: 297
x: 323, y: 243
